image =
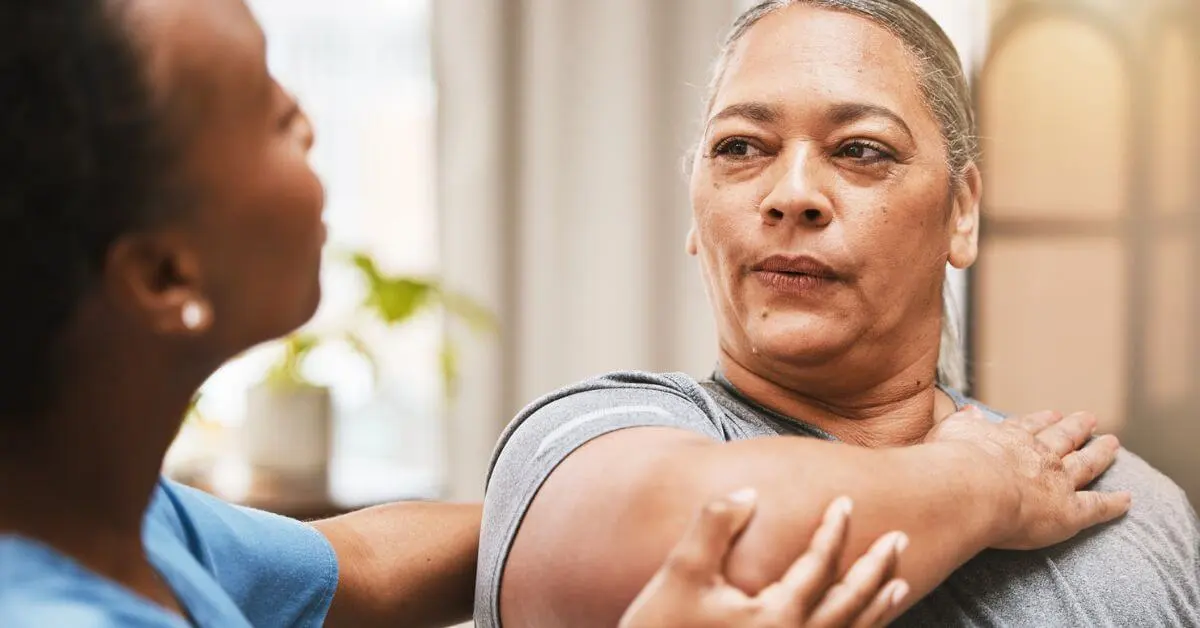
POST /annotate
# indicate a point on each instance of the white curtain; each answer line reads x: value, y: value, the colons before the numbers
x: 563, y: 127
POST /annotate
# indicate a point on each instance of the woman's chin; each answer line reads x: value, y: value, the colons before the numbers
x: 302, y: 311
x: 802, y: 337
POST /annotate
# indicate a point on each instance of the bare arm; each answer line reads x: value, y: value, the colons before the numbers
x: 608, y: 515
x: 409, y: 564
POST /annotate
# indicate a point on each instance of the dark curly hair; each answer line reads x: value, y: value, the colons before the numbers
x: 83, y: 158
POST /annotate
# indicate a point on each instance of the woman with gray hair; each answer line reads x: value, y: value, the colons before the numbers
x: 834, y: 180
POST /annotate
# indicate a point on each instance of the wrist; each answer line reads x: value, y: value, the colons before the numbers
x: 985, y: 487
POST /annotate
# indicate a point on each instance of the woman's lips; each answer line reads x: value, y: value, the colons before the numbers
x: 796, y: 265
x: 794, y: 274
x: 792, y: 283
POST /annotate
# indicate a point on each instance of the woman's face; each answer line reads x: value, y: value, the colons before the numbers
x: 250, y: 243
x: 824, y: 210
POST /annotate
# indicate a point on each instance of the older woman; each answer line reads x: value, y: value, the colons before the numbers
x: 834, y: 180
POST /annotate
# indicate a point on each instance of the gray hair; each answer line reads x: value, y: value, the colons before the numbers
x: 945, y: 90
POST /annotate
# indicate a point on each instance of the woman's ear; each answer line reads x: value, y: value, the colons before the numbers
x: 964, y: 219
x: 157, y: 278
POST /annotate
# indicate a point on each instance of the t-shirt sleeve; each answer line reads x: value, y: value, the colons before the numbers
x: 548, y: 431
x: 279, y: 571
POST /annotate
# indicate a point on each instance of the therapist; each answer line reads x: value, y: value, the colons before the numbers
x: 158, y: 216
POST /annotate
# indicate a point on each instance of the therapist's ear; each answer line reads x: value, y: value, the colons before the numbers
x: 692, y: 247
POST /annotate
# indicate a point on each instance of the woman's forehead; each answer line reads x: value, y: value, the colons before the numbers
x: 203, y: 48
x: 806, y: 55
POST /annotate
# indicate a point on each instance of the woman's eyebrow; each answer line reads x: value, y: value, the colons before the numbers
x: 847, y: 112
x: 755, y: 111
x: 838, y: 114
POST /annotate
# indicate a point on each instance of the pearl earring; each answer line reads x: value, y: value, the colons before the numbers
x: 194, y: 315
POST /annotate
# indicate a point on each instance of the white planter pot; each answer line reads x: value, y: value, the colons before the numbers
x: 289, y: 431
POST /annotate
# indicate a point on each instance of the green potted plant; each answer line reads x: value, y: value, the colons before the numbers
x: 289, y: 423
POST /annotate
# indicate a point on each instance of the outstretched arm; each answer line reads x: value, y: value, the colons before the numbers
x: 607, y: 516
x: 407, y: 564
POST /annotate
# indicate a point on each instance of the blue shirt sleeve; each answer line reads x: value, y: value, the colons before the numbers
x: 279, y: 571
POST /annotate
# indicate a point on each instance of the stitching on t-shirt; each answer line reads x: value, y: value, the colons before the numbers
x: 559, y: 432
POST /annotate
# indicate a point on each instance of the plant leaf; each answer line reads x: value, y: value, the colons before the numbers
x: 286, y: 372
x: 449, y: 360
x: 477, y: 317
x: 366, y: 265
x: 397, y: 300
x: 360, y: 346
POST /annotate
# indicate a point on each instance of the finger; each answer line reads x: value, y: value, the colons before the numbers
x: 700, y: 554
x: 1038, y: 421
x: 1068, y: 434
x: 1094, y: 508
x: 883, y: 606
x: 1085, y: 465
x: 862, y: 583
x: 808, y: 578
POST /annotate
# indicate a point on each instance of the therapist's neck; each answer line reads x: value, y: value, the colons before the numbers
x: 79, y: 475
x: 870, y: 409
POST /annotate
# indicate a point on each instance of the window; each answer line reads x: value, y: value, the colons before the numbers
x: 1085, y: 295
x: 1056, y: 198
x: 362, y: 70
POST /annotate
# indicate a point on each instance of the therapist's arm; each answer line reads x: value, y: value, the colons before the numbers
x: 407, y: 564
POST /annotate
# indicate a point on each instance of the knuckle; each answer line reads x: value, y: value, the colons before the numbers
x: 1055, y: 463
x: 715, y: 516
x: 678, y: 564
x: 1091, y: 464
x: 685, y: 564
x: 715, y: 511
x: 1090, y: 506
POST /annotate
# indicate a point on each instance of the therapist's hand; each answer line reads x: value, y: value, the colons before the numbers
x: 690, y: 589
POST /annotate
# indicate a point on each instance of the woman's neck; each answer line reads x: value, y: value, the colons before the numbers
x: 79, y: 476
x: 897, y: 410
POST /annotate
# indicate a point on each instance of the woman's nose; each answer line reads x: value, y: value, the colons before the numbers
x: 308, y: 135
x: 798, y: 196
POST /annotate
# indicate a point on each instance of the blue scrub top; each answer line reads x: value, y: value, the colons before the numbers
x: 228, y: 566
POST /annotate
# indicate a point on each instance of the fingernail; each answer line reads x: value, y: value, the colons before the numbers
x: 899, y: 590
x: 744, y: 496
x: 901, y: 542
x: 844, y: 505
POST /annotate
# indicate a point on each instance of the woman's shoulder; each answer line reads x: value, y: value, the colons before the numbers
x: 574, y: 414
x: 618, y: 389
x: 619, y: 383
x: 962, y: 400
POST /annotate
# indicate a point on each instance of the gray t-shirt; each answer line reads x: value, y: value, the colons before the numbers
x: 1143, y: 570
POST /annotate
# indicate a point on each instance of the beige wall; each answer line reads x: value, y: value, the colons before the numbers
x: 1085, y: 293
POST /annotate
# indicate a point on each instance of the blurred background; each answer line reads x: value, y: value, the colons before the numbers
x: 507, y: 212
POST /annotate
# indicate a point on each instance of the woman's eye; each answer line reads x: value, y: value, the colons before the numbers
x: 864, y: 151
x: 736, y: 148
